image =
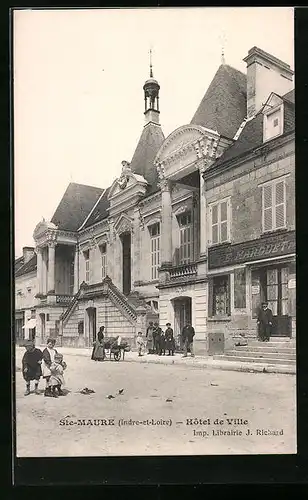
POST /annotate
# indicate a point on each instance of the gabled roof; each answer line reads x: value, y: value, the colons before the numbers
x: 101, y: 210
x: 252, y: 134
x: 223, y: 107
x: 147, y: 148
x: 28, y: 267
x: 76, y: 204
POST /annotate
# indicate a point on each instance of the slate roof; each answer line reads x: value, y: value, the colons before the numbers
x: 28, y: 267
x: 223, y: 107
x: 147, y: 148
x: 289, y: 96
x: 76, y: 204
x: 252, y: 134
x: 101, y: 210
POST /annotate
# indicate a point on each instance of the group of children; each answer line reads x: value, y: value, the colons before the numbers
x: 48, y: 364
x: 156, y: 340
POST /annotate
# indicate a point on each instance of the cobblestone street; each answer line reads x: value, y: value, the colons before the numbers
x: 171, y: 394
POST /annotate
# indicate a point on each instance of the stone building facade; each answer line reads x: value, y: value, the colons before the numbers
x: 186, y: 213
x: 25, y: 291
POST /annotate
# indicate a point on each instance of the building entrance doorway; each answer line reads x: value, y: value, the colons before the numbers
x: 182, y: 316
x: 126, y: 263
x: 91, y: 313
x: 274, y: 290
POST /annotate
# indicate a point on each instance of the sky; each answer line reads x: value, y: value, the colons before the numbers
x: 78, y: 78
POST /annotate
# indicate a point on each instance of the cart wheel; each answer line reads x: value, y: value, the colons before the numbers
x: 117, y: 355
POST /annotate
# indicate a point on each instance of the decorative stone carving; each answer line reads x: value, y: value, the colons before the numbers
x: 164, y: 184
x: 161, y: 170
x: 141, y: 221
x: 123, y: 225
x: 126, y: 170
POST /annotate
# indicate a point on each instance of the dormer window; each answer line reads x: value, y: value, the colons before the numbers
x: 273, y: 124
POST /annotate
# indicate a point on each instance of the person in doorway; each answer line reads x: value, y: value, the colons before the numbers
x: 150, y: 338
x: 169, y: 339
x: 56, y: 380
x: 140, y: 344
x: 48, y: 358
x: 264, y: 322
x: 31, y: 366
x: 188, y: 334
x: 98, y: 352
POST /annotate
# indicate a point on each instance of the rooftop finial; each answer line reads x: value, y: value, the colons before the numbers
x: 151, y: 67
x: 223, y: 56
x: 223, y: 40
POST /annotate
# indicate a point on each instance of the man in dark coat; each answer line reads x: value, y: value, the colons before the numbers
x: 265, y: 322
x: 169, y: 339
x: 31, y: 366
x: 188, y: 333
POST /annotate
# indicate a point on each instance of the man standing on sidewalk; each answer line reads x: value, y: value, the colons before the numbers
x: 188, y: 333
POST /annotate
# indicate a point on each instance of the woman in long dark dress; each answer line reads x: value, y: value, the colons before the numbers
x: 98, y: 353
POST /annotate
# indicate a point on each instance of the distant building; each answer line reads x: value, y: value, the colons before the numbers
x: 198, y: 228
x: 25, y: 291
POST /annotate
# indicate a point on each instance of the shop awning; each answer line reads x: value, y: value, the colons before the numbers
x: 31, y: 323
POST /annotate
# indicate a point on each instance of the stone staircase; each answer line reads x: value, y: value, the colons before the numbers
x: 279, y: 350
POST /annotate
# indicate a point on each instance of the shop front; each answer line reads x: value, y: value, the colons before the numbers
x: 244, y: 275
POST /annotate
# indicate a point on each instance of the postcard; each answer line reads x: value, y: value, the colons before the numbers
x: 155, y: 259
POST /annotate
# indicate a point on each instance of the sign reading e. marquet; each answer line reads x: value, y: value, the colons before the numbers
x: 266, y: 247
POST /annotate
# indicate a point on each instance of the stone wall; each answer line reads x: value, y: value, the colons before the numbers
x: 242, y: 184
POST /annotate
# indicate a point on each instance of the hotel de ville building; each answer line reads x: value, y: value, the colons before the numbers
x: 199, y: 227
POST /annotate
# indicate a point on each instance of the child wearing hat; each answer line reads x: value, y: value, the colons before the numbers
x: 31, y: 366
x: 56, y: 379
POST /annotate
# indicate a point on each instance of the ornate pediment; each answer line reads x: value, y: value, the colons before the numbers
x: 184, y: 149
x: 42, y: 227
x: 123, y: 224
x: 127, y: 180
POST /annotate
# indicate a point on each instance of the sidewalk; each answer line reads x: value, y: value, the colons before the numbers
x: 196, y: 362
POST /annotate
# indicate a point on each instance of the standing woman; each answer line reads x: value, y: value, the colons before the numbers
x: 150, y: 337
x: 169, y: 339
x: 98, y: 353
x: 48, y: 358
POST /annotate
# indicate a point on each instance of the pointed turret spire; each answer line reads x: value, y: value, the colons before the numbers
x: 151, y: 97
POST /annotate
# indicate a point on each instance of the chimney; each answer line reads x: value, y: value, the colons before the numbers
x: 27, y: 253
x: 265, y: 74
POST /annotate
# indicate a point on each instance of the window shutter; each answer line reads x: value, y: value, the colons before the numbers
x: 267, y: 208
x: 223, y: 222
x: 214, y: 224
x: 280, y: 204
x: 229, y: 220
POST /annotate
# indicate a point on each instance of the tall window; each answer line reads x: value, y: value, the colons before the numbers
x: 86, y: 255
x: 220, y: 217
x: 186, y: 238
x: 274, y: 205
x: 155, y: 249
x: 103, y: 251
